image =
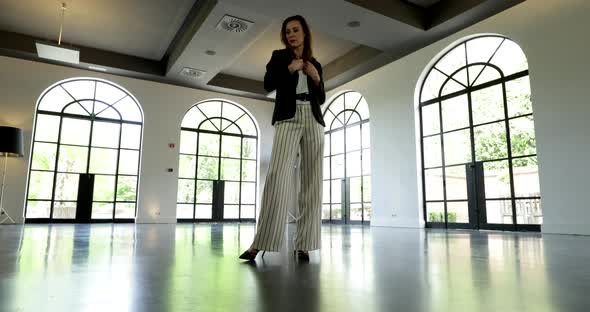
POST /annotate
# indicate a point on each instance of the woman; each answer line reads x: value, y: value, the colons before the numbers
x: 299, y: 127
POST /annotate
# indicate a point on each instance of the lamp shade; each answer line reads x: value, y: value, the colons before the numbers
x: 11, y: 141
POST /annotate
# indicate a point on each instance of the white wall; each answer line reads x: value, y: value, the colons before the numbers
x: 164, y: 106
x: 554, y: 36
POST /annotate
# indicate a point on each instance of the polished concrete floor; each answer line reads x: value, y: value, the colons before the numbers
x: 188, y: 267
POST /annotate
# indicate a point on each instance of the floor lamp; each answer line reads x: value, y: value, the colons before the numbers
x: 11, y: 145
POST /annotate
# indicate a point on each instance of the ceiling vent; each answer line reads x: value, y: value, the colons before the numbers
x: 192, y: 73
x: 233, y: 24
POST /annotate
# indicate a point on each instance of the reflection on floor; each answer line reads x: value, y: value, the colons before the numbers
x: 188, y: 267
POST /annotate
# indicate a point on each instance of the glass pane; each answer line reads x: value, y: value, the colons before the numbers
x: 204, y: 192
x: 128, y: 162
x: 522, y: 136
x: 66, y: 187
x: 131, y: 136
x: 480, y: 50
x: 336, y: 212
x: 338, y: 166
x: 490, y: 141
x: 456, y: 181
x: 231, y: 211
x: 211, y: 108
x: 337, y: 142
x: 366, y: 161
x: 248, y: 212
x: 353, y: 164
x: 231, y: 111
x: 326, y: 167
x: 499, y: 211
x: 356, y: 212
x: 40, y: 185
x: 526, y: 177
x: 434, y: 184
x: 184, y: 211
x: 496, y: 179
x: 336, y: 189
x: 351, y: 100
x: 356, y: 190
x: 47, y: 128
x: 72, y: 159
x: 44, y: 156
x: 430, y: 119
x: 209, y: 144
x: 435, y: 212
x: 207, y: 168
x: 38, y: 209
x: 432, y: 152
x: 102, y: 210
x: 192, y: 119
x: 367, y: 211
x: 353, y: 138
x: 367, y: 188
x: 55, y: 100
x: 203, y: 212
x: 76, y: 109
x: 109, y: 113
x: 249, y: 193
x: 247, y: 126
x: 518, y: 95
x: 249, y: 148
x: 528, y: 211
x: 64, y: 210
x: 457, y: 147
x: 126, y: 188
x: 432, y: 85
x: 103, y: 161
x: 455, y: 113
x: 451, y: 87
x: 461, y: 77
x: 186, y: 167
x: 488, y: 74
x: 249, y: 170
x: 124, y: 211
x: 231, y: 146
x: 104, y: 188
x: 128, y: 109
x: 457, y: 212
x: 75, y: 131
x: 105, y: 134
x: 186, y: 191
x: 337, y: 104
x: 230, y: 169
x: 80, y: 89
x: 510, y: 58
x: 326, y: 191
x: 108, y: 93
x: 488, y: 105
x: 325, y: 212
x: 231, y: 193
x: 188, y: 142
x: 452, y: 60
x: 366, y: 135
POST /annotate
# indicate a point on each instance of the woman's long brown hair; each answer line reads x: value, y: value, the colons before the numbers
x: 307, y: 54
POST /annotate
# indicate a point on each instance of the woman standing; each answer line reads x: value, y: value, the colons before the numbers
x: 299, y: 126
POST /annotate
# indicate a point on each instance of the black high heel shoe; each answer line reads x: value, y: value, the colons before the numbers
x: 301, y: 255
x: 249, y: 255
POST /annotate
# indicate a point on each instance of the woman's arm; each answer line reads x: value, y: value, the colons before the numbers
x: 318, y: 86
x: 275, y: 72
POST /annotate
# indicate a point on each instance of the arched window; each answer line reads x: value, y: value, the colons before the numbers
x: 86, y: 152
x: 347, y: 160
x: 217, y: 176
x: 479, y: 158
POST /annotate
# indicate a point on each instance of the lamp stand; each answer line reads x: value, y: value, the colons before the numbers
x: 4, y: 216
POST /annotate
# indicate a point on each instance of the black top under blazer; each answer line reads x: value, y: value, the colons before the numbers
x: 278, y: 78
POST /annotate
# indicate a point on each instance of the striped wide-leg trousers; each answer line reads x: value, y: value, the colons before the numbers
x: 300, y: 133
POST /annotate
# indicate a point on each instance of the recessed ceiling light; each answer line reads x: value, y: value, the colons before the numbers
x: 102, y: 69
x: 353, y: 24
x: 210, y: 52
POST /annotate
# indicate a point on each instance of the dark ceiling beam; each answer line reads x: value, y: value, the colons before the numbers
x: 396, y: 9
x: 193, y: 21
x: 349, y: 60
x: 446, y: 10
x: 14, y: 44
x: 237, y: 83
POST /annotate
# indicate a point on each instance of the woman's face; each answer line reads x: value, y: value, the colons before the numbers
x: 294, y: 34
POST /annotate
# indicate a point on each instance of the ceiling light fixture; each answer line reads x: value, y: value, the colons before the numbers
x: 353, y: 24
x: 210, y: 52
x: 51, y: 51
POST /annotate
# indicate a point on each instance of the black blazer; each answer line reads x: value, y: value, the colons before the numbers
x: 278, y: 78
